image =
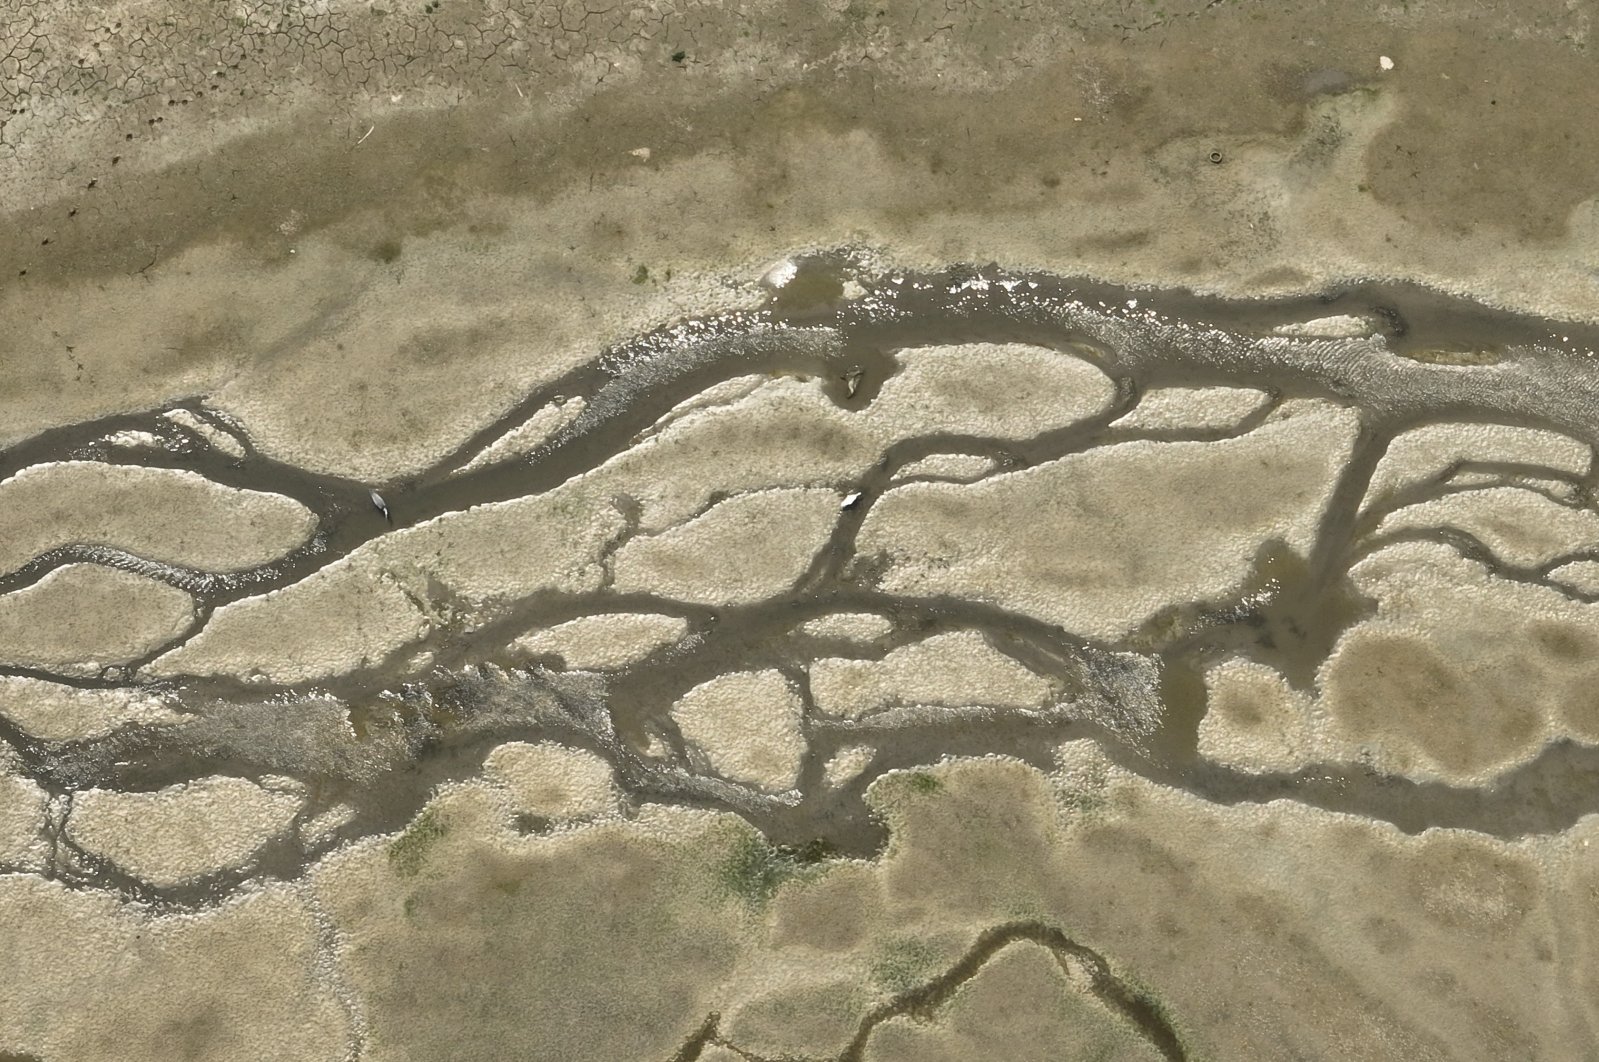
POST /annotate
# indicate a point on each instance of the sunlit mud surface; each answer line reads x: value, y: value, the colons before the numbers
x: 894, y: 671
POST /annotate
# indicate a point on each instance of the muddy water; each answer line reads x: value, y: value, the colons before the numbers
x: 1429, y: 358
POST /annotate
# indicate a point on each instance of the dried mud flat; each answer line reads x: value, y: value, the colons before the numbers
x: 787, y: 531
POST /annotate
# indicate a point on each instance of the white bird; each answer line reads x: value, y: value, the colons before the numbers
x: 380, y: 505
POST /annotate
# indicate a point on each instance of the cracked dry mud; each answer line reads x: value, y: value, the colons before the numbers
x: 782, y: 531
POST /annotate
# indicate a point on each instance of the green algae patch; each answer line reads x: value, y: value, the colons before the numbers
x: 408, y: 853
x: 903, y: 964
x: 754, y: 869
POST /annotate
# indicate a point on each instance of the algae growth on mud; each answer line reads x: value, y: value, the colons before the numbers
x: 878, y: 629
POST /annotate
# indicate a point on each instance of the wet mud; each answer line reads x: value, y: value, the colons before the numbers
x: 386, y: 737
